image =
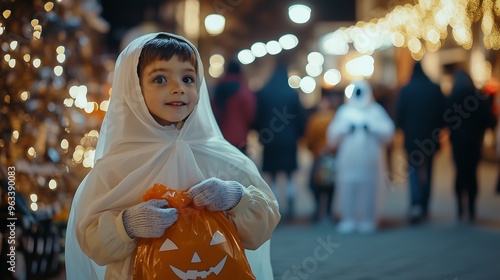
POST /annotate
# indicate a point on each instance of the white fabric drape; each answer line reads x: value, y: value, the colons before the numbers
x: 134, y: 152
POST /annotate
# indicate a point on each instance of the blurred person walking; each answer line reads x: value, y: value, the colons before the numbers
x: 315, y: 141
x: 280, y: 122
x: 234, y: 106
x: 472, y: 116
x: 419, y: 114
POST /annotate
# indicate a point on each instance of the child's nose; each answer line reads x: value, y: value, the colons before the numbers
x: 177, y: 88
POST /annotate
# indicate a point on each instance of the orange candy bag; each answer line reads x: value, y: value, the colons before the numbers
x: 200, y: 245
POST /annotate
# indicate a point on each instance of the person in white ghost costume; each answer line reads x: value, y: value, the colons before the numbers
x: 145, y: 140
x: 359, y: 131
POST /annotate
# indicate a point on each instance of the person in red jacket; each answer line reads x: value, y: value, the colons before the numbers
x: 234, y: 106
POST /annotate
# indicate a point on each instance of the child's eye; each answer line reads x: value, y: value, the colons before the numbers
x: 188, y: 80
x: 159, y: 80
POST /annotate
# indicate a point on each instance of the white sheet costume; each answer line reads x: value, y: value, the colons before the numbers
x: 360, y: 130
x: 133, y: 153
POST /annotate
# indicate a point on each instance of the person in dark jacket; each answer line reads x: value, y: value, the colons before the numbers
x: 234, y: 106
x: 468, y: 115
x: 419, y: 114
x: 280, y: 122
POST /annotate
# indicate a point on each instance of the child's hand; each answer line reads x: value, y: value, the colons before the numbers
x: 216, y: 194
x: 148, y: 219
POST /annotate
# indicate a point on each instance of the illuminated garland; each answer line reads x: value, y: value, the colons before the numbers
x: 421, y: 27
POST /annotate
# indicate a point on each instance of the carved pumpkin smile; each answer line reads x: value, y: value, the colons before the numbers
x: 217, y: 238
x: 194, y: 274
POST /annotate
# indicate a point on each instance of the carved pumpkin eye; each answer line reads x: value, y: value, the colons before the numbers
x: 217, y: 238
x: 168, y: 245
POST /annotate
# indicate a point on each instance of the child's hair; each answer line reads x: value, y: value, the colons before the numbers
x: 163, y: 47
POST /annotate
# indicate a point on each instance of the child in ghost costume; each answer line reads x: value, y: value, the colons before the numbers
x: 159, y: 128
x: 360, y: 130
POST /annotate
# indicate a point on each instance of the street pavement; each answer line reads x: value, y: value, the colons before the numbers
x: 440, y: 249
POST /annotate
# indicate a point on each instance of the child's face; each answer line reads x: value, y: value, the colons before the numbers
x: 169, y: 89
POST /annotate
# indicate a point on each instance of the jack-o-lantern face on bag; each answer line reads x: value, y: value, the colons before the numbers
x: 199, y: 245
x: 207, y: 262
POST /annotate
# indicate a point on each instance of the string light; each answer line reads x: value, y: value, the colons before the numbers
x: 25, y: 95
x: 58, y: 70
x: 104, y: 105
x: 89, y: 108
x: 78, y: 154
x: 314, y: 70
x: 31, y: 152
x: 216, y: 67
x: 93, y: 133
x: 288, y: 41
x: 64, y: 144
x: 61, y: 57
x: 273, y: 47
x: 13, y: 45
x: 48, y: 6
x: 15, y: 137
x: 68, y: 102
x: 37, y: 62
x: 332, y: 77
x: 294, y: 81
x: 37, y: 34
x: 52, y: 184
x: 37, y: 29
x: 426, y: 22
x: 6, y: 14
x: 259, y: 49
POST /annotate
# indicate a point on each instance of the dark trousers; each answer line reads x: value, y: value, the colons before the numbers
x: 466, y: 186
x: 320, y: 192
x: 420, y: 176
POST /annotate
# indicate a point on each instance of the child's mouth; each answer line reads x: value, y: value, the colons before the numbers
x: 175, y: 103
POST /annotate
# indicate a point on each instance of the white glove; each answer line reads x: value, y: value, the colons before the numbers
x: 216, y: 194
x: 148, y: 219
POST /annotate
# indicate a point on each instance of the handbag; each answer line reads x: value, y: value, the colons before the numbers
x: 325, y: 171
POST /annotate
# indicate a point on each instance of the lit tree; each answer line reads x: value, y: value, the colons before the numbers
x: 53, y: 75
